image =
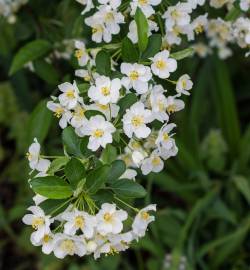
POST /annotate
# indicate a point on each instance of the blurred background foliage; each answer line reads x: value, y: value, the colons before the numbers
x: 203, y: 195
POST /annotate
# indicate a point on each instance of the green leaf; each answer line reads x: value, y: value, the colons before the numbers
x: 182, y: 54
x: 154, y: 46
x: 74, y: 171
x: 128, y: 188
x: 126, y: 102
x: 118, y: 167
x: 52, y: 187
x: 39, y: 122
x: 130, y: 53
x: 56, y: 207
x: 109, y: 154
x: 223, y: 94
x: 90, y: 113
x: 29, y: 52
x: 233, y: 14
x: 57, y: 164
x: 142, y: 29
x: 46, y: 72
x: 103, y: 63
x: 96, y: 178
x: 243, y: 186
x: 224, y: 246
x: 72, y: 142
x: 103, y: 196
x: 195, y: 213
x: 83, y: 87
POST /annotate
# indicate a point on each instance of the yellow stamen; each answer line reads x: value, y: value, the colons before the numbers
x: 165, y: 136
x: 79, y: 54
x: 107, y: 217
x: 46, y: 238
x: 135, y: 145
x: 79, y: 222
x: 161, y: 106
x: 105, y: 91
x: 137, y: 121
x: 156, y: 161
x: 58, y: 112
x: 37, y: 222
x: 109, y: 16
x: 103, y: 107
x: 199, y: 29
x: 70, y: 94
x: 68, y: 246
x: 134, y: 75
x: 98, y: 133
x: 171, y: 108
x: 144, y: 215
x: 160, y: 64
x: 143, y: 2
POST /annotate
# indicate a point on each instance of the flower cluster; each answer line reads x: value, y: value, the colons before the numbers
x: 168, y: 262
x: 83, y: 233
x: 180, y: 24
x: 117, y: 122
x: 146, y: 145
x: 8, y: 8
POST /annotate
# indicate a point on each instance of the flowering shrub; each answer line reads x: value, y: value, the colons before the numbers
x: 117, y: 119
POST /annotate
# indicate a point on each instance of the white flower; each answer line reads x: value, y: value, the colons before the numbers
x: 152, y: 164
x: 162, y: 65
x: 105, y: 90
x: 79, y: 220
x: 84, y: 74
x: 241, y: 32
x: 111, y: 19
x: 224, y: 52
x: 88, y: 3
x: 110, y: 110
x: 201, y: 49
x: 177, y: 15
x: 138, y: 157
x: 158, y: 103
x: 184, y: 84
x: 109, y: 220
x: 174, y: 104
x: 60, y: 112
x: 137, y: 77
x: 91, y: 246
x: 113, y: 3
x: 78, y: 119
x: 46, y: 242
x: 142, y: 220
x: 129, y: 174
x: 135, y: 120
x: 164, y: 138
x: 195, y: 3
x: 172, y: 151
x: 39, y: 222
x: 70, y: 95
x: 99, y: 130
x: 39, y: 199
x: 117, y: 243
x: 35, y: 161
x: 145, y: 6
x: 81, y: 53
x: 69, y: 245
x: 99, y: 32
x: 199, y: 23
x: 133, y: 35
x: 245, y: 5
